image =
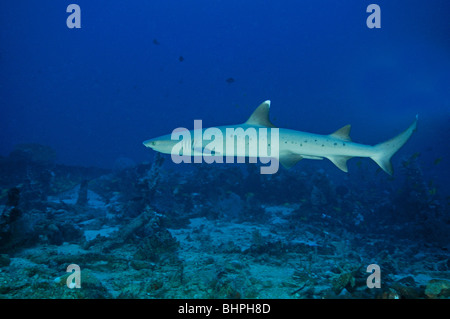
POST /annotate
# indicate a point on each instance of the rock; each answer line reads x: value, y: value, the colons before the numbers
x: 158, y: 247
x: 344, y: 280
x: 228, y: 247
x: 134, y: 226
x: 209, y: 260
x: 289, y: 284
x: 234, y: 266
x: 407, y: 292
x: 4, y: 260
x: 344, y: 294
x: 53, y: 235
x: 267, y: 283
x: 389, y: 294
x: 104, y: 232
x: 91, y: 287
x: 408, y: 281
x: 141, y: 264
x: 318, y: 198
x: 407, y: 288
x: 70, y: 232
x: 438, y: 288
x: 82, y: 199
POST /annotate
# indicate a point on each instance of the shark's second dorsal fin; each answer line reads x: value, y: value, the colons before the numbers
x: 343, y: 133
x: 260, y: 116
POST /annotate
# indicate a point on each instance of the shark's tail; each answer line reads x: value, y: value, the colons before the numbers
x: 384, y: 151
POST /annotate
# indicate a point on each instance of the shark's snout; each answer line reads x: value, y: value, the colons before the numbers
x: 161, y: 144
x: 150, y: 143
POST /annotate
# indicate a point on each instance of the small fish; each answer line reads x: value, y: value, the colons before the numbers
x: 415, y: 155
x: 156, y: 42
x: 437, y: 160
x: 181, y: 59
x: 229, y: 80
x: 411, y: 158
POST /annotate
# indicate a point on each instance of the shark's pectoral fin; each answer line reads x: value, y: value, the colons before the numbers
x: 312, y: 157
x: 343, y: 133
x: 289, y: 159
x: 198, y: 151
x: 340, y: 162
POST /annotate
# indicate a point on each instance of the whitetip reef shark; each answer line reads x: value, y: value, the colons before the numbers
x: 286, y: 146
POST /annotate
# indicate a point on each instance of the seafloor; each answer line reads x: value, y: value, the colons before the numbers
x: 155, y: 230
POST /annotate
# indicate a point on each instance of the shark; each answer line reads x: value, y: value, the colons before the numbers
x: 286, y: 146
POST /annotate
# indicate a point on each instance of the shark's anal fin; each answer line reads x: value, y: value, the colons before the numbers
x: 343, y: 133
x: 340, y: 161
x: 260, y: 116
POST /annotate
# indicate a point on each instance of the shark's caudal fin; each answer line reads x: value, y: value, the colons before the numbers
x: 384, y: 151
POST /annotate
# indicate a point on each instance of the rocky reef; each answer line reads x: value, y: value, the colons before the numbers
x: 158, y: 230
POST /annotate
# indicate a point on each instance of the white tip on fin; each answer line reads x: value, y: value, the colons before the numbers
x: 260, y: 116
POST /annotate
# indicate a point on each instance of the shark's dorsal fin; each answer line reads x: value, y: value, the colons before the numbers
x: 260, y: 116
x: 343, y: 133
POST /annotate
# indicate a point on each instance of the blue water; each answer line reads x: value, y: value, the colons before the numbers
x: 95, y: 93
x: 138, y: 69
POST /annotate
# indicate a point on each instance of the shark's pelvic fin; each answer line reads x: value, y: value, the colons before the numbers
x: 289, y: 159
x: 340, y: 161
x: 260, y: 116
x: 343, y: 133
x: 384, y: 151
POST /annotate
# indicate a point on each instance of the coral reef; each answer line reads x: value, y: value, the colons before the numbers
x: 157, y: 230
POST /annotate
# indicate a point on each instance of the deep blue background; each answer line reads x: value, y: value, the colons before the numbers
x: 95, y: 93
